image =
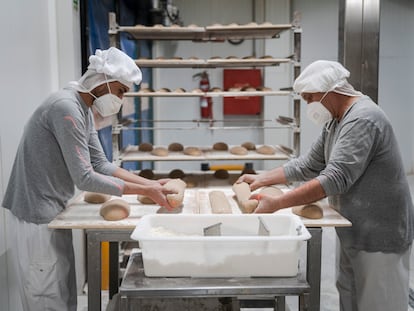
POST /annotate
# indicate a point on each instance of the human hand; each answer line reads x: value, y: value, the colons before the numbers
x: 251, y: 179
x: 158, y: 193
x: 267, y: 203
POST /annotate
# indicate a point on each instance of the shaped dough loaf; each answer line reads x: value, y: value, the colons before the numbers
x: 243, y: 193
x: 96, y: 198
x: 175, y: 199
x: 115, y: 209
x: 219, y: 203
x: 311, y: 211
x: 178, y: 186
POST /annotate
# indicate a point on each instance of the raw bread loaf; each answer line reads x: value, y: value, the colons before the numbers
x: 243, y: 193
x: 115, y: 209
x: 160, y: 152
x: 272, y: 191
x: 178, y: 186
x: 145, y: 200
x: 176, y: 173
x: 219, y: 203
x: 175, y: 147
x: 265, y: 149
x: 221, y: 174
x: 96, y: 198
x: 311, y: 211
x: 192, y: 151
x: 220, y: 146
x: 145, y: 147
x: 249, y: 145
x: 147, y: 173
x: 175, y: 199
x: 238, y: 150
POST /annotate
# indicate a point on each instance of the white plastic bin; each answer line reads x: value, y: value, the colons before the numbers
x: 174, y: 245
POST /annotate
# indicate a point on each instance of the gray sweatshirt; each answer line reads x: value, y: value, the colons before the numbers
x: 358, y: 164
x: 58, y: 150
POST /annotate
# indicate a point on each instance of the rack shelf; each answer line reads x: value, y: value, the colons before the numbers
x: 212, y: 62
x: 131, y: 153
x: 197, y: 33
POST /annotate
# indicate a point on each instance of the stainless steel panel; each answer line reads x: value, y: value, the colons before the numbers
x: 359, y: 22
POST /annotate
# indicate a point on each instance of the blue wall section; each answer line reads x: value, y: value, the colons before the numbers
x: 130, y: 13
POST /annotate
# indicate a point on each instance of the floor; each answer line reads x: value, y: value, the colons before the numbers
x: 329, y: 294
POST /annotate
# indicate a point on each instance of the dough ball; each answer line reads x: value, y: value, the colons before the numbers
x: 178, y: 186
x: 191, y: 181
x: 220, y: 146
x: 249, y: 206
x: 145, y: 147
x: 96, y: 198
x: 221, y: 174
x: 238, y: 150
x: 248, y: 170
x: 249, y: 145
x: 147, y: 173
x: 272, y: 191
x: 265, y: 149
x: 311, y: 211
x: 192, y: 151
x: 145, y: 200
x: 177, y: 173
x: 115, y: 209
x: 175, y: 147
x: 160, y: 152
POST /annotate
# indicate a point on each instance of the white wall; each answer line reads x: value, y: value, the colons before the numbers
x: 39, y: 53
x: 319, y: 22
x: 396, y: 72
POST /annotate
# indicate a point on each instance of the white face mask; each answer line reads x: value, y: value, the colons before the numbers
x: 317, y: 112
x: 108, y: 104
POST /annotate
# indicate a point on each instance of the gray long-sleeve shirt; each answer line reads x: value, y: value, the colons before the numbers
x: 358, y: 164
x: 58, y: 150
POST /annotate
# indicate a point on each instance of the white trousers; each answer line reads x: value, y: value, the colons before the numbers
x: 373, y: 281
x: 44, y: 266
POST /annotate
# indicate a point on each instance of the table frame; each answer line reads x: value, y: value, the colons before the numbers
x: 94, y: 238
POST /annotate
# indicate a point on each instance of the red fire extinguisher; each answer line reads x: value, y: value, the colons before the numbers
x: 206, y: 102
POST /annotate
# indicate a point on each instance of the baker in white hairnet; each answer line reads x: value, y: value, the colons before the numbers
x: 356, y: 163
x: 58, y: 151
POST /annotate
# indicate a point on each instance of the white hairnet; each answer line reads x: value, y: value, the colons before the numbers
x: 324, y: 76
x: 107, y: 66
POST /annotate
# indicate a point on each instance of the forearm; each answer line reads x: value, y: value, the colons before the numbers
x: 309, y: 192
x: 272, y: 177
x: 131, y: 177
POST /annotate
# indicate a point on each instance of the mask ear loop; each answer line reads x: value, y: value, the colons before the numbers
x: 107, y: 83
x: 329, y: 124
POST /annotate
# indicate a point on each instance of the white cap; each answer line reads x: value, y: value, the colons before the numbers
x: 324, y: 76
x: 106, y: 66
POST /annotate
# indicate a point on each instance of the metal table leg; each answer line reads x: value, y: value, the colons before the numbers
x: 113, y: 268
x: 94, y: 270
x: 94, y: 238
x: 313, y: 267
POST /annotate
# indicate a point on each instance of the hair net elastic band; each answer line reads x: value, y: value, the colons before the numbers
x: 91, y: 79
x: 347, y: 89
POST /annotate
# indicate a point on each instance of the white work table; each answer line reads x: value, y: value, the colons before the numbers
x: 82, y: 215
